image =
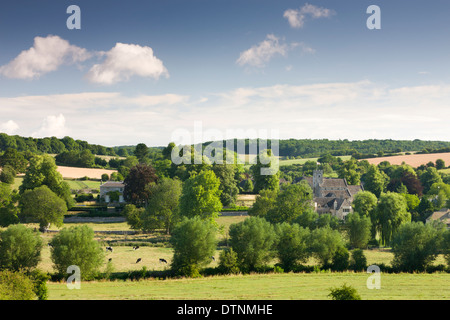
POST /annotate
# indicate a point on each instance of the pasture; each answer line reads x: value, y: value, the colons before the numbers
x: 298, y: 286
x: 287, y: 286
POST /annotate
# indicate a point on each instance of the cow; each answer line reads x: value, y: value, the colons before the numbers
x: 162, y: 260
x: 138, y: 260
x: 109, y: 249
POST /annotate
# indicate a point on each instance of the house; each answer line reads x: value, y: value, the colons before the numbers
x: 443, y: 216
x: 332, y: 195
x: 112, y: 191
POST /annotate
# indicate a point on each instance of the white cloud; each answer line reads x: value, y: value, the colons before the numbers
x: 260, y: 54
x: 353, y: 110
x: 52, y: 126
x: 124, y: 61
x: 297, y: 18
x: 46, y: 55
x: 9, y: 127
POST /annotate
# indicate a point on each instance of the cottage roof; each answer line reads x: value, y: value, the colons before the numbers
x: 113, y: 184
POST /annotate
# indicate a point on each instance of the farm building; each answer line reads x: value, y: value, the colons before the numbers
x: 332, y: 195
x: 112, y: 191
x: 443, y: 216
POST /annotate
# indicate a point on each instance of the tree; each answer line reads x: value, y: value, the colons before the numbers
x: 142, y: 152
x: 8, y: 207
x: 440, y: 164
x: 340, y: 260
x: 7, y: 174
x: 375, y: 180
x: 446, y: 246
x: 163, y: 206
x: 194, y: 242
x: 20, y: 248
x: 15, y: 159
x: 253, y: 240
x: 137, y: 184
x: 365, y: 203
x: 43, y: 205
x: 349, y: 172
x: 359, y: 228
x: 391, y: 212
x: 429, y: 177
x: 324, y: 242
x: 76, y: 246
x: 415, y: 246
x: 43, y: 171
x: 134, y: 216
x: 269, y: 180
x: 264, y: 202
x: 290, y: 203
x: 228, y: 183
x: 292, y: 246
x: 201, y: 196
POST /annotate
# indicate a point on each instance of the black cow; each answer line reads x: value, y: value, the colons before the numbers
x: 135, y: 248
x: 138, y: 260
x: 163, y: 260
x: 109, y: 249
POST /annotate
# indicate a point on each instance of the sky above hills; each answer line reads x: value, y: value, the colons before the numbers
x: 151, y: 71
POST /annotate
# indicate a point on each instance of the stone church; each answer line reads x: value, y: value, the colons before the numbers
x: 332, y: 195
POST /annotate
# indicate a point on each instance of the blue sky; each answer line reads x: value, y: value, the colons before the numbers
x: 140, y: 71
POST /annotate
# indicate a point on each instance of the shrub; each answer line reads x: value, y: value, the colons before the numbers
x: 340, y: 259
x: 76, y: 246
x: 20, y: 248
x: 359, y: 260
x: 194, y: 242
x: 228, y: 262
x: 15, y: 286
x: 253, y: 240
x: 39, y: 279
x: 344, y: 293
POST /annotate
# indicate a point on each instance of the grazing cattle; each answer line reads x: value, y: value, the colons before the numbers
x: 212, y: 258
x: 135, y: 248
x: 163, y: 260
x: 138, y: 260
x: 109, y: 259
x: 109, y: 249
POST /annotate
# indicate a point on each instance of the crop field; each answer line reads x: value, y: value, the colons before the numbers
x: 75, y: 173
x: 413, y: 160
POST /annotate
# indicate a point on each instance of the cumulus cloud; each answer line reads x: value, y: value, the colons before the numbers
x: 9, y: 127
x: 124, y: 61
x: 297, y: 18
x: 52, y: 126
x: 259, y: 55
x: 46, y: 55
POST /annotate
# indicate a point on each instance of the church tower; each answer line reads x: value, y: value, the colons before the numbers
x: 317, y: 182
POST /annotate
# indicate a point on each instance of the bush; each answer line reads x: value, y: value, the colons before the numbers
x: 39, y: 279
x: 194, y: 242
x: 359, y: 260
x: 344, y: 293
x: 340, y: 259
x: 228, y: 262
x: 253, y: 240
x: 20, y: 248
x: 15, y: 286
x: 76, y: 246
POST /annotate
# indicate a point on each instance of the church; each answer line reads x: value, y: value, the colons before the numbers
x: 332, y: 195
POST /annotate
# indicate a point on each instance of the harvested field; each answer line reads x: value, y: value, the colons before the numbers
x: 75, y: 173
x: 413, y: 160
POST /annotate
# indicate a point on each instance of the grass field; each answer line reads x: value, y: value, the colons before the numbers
x: 298, y: 286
